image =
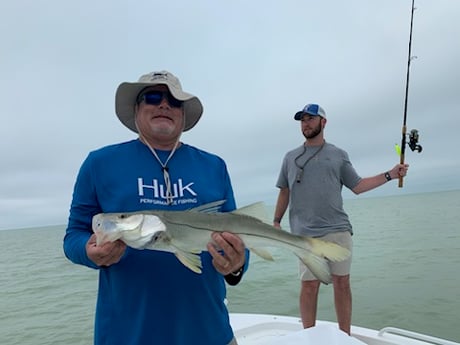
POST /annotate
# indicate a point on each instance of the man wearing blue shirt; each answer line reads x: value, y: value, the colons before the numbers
x: 148, y: 296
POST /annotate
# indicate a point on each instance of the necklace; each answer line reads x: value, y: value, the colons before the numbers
x: 164, y: 168
x: 301, y: 167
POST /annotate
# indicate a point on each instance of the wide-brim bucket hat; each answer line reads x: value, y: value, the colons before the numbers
x: 127, y: 93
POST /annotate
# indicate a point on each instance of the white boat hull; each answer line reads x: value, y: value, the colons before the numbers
x: 262, y: 329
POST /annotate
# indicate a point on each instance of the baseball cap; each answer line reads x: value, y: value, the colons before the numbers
x: 310, y: 109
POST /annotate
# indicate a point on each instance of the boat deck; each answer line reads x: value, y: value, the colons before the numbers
x: 261, y: 329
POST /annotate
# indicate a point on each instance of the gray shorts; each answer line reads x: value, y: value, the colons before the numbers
x: 341, y: 268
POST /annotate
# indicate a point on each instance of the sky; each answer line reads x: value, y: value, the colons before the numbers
x: 253, y: 64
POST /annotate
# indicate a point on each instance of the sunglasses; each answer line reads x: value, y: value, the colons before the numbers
x: 155, y: 98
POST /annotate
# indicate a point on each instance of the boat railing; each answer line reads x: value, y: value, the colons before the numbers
x: 415, y: 336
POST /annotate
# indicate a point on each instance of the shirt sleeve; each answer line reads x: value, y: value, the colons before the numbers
x: 84, y: 205
x: 282, y: 181
x: 350, y: 177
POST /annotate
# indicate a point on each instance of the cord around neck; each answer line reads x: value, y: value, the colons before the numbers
x: 164, y: 166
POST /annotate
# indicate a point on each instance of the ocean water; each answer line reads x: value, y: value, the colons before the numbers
x: 405, y: 273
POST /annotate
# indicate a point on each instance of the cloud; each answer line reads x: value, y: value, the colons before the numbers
x: 252, y: 63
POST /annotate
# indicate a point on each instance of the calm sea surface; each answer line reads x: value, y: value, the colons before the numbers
x: 405, y: 274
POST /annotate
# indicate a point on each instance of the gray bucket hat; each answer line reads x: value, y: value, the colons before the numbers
x: 126, y: 96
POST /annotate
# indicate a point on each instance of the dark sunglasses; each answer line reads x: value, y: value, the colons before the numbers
x: 155, y: 98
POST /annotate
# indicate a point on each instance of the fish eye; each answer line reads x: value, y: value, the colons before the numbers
x: 156, y: 236
x: 123, y: 216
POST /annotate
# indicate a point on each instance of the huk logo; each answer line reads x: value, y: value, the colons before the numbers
x: 150, y: 193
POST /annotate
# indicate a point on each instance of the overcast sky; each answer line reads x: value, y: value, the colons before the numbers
x: 253, y: 64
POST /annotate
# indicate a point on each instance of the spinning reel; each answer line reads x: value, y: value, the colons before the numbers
x: 413, y: 141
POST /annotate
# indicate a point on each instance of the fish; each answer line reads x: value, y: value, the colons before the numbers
x: 187, y: 233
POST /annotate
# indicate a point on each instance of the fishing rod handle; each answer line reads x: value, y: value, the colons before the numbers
x: 403, y: 151
x: 400, y: 183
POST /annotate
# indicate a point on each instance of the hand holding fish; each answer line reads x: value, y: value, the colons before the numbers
x: 106, y: 254
x: 231, y: 257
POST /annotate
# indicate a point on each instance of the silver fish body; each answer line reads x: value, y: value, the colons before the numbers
x: 187, y: 233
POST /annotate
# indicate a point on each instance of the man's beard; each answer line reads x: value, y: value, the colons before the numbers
x: 314, y: 132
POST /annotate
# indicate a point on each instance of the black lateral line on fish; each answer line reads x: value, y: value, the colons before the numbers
x: 246, y: 234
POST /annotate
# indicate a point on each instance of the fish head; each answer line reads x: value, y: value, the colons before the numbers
x: 145, y: 233
x: 160, y: 241
x: 110, y: 227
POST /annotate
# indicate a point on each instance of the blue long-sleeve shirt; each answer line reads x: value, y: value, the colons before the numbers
x: 149, y: 297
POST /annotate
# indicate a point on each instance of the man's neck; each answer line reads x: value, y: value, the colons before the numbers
x: 164, y: 145
x: 316, y: 141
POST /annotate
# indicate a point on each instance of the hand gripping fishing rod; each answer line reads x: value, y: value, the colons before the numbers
x: 413, y: 136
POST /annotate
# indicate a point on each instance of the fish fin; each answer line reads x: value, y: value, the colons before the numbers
x: 263, y: 253
x: 318, y: 266
x: 331, y: 251
x: 190, y: 260
x: 212, y: 207
x: 256, y: 210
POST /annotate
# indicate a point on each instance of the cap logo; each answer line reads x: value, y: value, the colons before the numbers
x: 312, y: 108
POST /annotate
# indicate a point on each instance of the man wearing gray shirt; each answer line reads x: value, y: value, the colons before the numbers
x: 310, y: 183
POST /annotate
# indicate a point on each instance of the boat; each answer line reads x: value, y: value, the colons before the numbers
x: 265, y: 329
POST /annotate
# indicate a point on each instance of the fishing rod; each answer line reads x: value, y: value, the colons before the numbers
x: 413, y: 135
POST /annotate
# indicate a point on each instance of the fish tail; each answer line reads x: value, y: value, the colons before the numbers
x: 318, y: 266
x: 331, y: 251
x: 316, y: 253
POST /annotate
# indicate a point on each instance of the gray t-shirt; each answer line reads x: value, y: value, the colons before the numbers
x: 315, y: 203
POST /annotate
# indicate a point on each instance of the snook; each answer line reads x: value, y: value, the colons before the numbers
x: 186, y: 234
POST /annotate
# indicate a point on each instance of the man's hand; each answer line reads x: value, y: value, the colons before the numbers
x: 399, y: 170
x: 107, y: 254
x: 231, y: 256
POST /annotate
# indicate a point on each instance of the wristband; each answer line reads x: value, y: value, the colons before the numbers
x: 237, y: 273
x: 277, y: 220
x: 387, y: 176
